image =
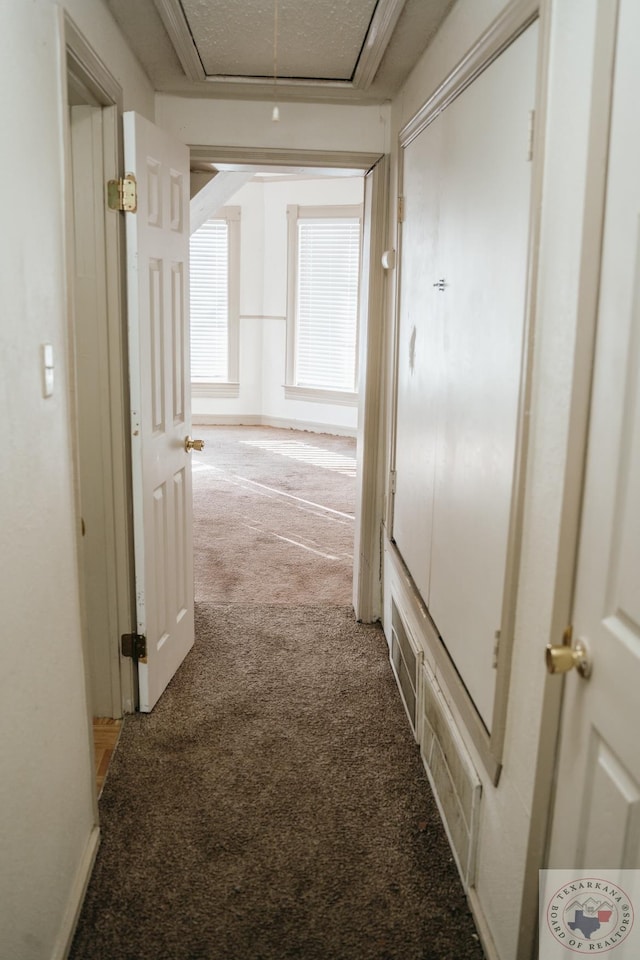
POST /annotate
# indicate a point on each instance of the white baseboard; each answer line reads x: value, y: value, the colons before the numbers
x: 257, y: 420
x: 486, y: 940
x: 76, y: 897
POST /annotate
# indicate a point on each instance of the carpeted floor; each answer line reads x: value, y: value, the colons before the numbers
x: 274, y: 516
x: 274, y: 805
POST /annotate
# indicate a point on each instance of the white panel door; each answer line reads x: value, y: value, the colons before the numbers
x: 596, y: 820
x: 467, y: 180
x: 483, y: 260
x: 157, y: 286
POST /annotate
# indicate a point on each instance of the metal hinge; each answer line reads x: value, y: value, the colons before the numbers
x: 532, y: 131
x: 496, y: 650
x: 134, y: 645
x: 392, y: 480
x: 400, y: 209
x: 122, y: 194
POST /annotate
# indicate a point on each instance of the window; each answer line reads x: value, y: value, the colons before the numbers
x: 215, y: 295
x: 324, y: 275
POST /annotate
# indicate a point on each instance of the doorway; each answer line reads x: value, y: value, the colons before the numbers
x: 276, y: 324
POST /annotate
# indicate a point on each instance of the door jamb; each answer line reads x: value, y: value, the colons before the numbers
x: 88, y: 70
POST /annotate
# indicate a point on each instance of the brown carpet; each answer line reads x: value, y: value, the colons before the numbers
x: 273, y: 512
x: 274, y: 805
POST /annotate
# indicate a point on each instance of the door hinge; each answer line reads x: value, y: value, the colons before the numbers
x: 400, y: 209
x: 134, y: 645
x: 532, y: 128
x: 122, y: 194
x: 392, y: 481
x: 496, y: 650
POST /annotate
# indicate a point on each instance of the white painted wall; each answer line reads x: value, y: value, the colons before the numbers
x: 47, y: 813
x: 511, y: 843
x: 302, y: 126
x: 263, y: 307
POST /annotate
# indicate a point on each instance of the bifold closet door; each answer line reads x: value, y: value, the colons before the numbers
x: 466, y: 335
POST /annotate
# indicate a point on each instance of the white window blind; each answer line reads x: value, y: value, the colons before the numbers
x: 328, y: 267
x: 209, y: 268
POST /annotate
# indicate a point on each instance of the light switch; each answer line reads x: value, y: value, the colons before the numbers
x: 47, y: 369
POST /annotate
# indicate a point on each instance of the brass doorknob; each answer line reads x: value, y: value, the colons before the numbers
x: 190, y: 444
x: 564, y: 657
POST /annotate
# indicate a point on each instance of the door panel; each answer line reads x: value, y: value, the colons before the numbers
x: 596, y: 819
x: 465, y: 233
x: 157, y: 264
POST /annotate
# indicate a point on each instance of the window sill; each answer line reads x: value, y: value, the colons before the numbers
x: 214, y: 389
x: 344, y: 398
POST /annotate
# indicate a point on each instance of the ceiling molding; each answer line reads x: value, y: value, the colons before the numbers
x: 376, y: 42
x: 178, y: 29
x: 379, y: 33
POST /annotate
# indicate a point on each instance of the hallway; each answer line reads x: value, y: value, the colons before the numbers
x: 274, y: 804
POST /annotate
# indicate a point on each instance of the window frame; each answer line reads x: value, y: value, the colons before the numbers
x: 292, y: 390
x: 231, y: 386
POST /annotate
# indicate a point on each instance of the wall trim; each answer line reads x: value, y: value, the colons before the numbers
x: 487, y: 941
x: 76, y: 896
x: 507, y: 27
x: 86, y: 66
x: 342, y: 398
x: 345, y: 162
x: 256, y: 420
x: 214, y: 389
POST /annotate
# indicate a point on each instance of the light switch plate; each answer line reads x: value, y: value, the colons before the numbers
x: 47, y: 369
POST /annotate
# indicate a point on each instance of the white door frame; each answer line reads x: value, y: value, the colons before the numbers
x: 87, y: 75
x: 367, y: 581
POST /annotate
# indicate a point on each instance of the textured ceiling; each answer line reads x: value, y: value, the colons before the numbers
x: 238, y: 40
x: 352, y: 51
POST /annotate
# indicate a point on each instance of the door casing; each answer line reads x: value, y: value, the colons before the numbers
x: 90, y: 82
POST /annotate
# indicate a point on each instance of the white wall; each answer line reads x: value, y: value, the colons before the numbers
x: 302, y: 126
x: 47, y: 811
x: 511, y: 842
x: 263, y: 307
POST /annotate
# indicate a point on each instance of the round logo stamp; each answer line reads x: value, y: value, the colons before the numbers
x: 589, y: 915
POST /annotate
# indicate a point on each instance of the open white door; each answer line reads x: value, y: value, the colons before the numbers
x: 596, y: 821
x: 158, y: 302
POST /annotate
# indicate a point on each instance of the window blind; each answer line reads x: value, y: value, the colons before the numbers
x: 209, y: 269
x: 327, y: 303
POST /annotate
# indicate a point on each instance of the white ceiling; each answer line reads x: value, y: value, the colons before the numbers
x: 357, y: 51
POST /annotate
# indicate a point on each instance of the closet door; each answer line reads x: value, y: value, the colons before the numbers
x: 419, y: 381
x: 465, y: 239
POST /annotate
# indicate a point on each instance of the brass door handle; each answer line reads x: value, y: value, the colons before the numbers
x: 564, y: 657
x: 190, y: 444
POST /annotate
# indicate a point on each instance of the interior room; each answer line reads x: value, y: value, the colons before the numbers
x: 491, y: 150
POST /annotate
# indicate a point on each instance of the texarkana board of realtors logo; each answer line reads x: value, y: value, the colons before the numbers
x: 588, y: 914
